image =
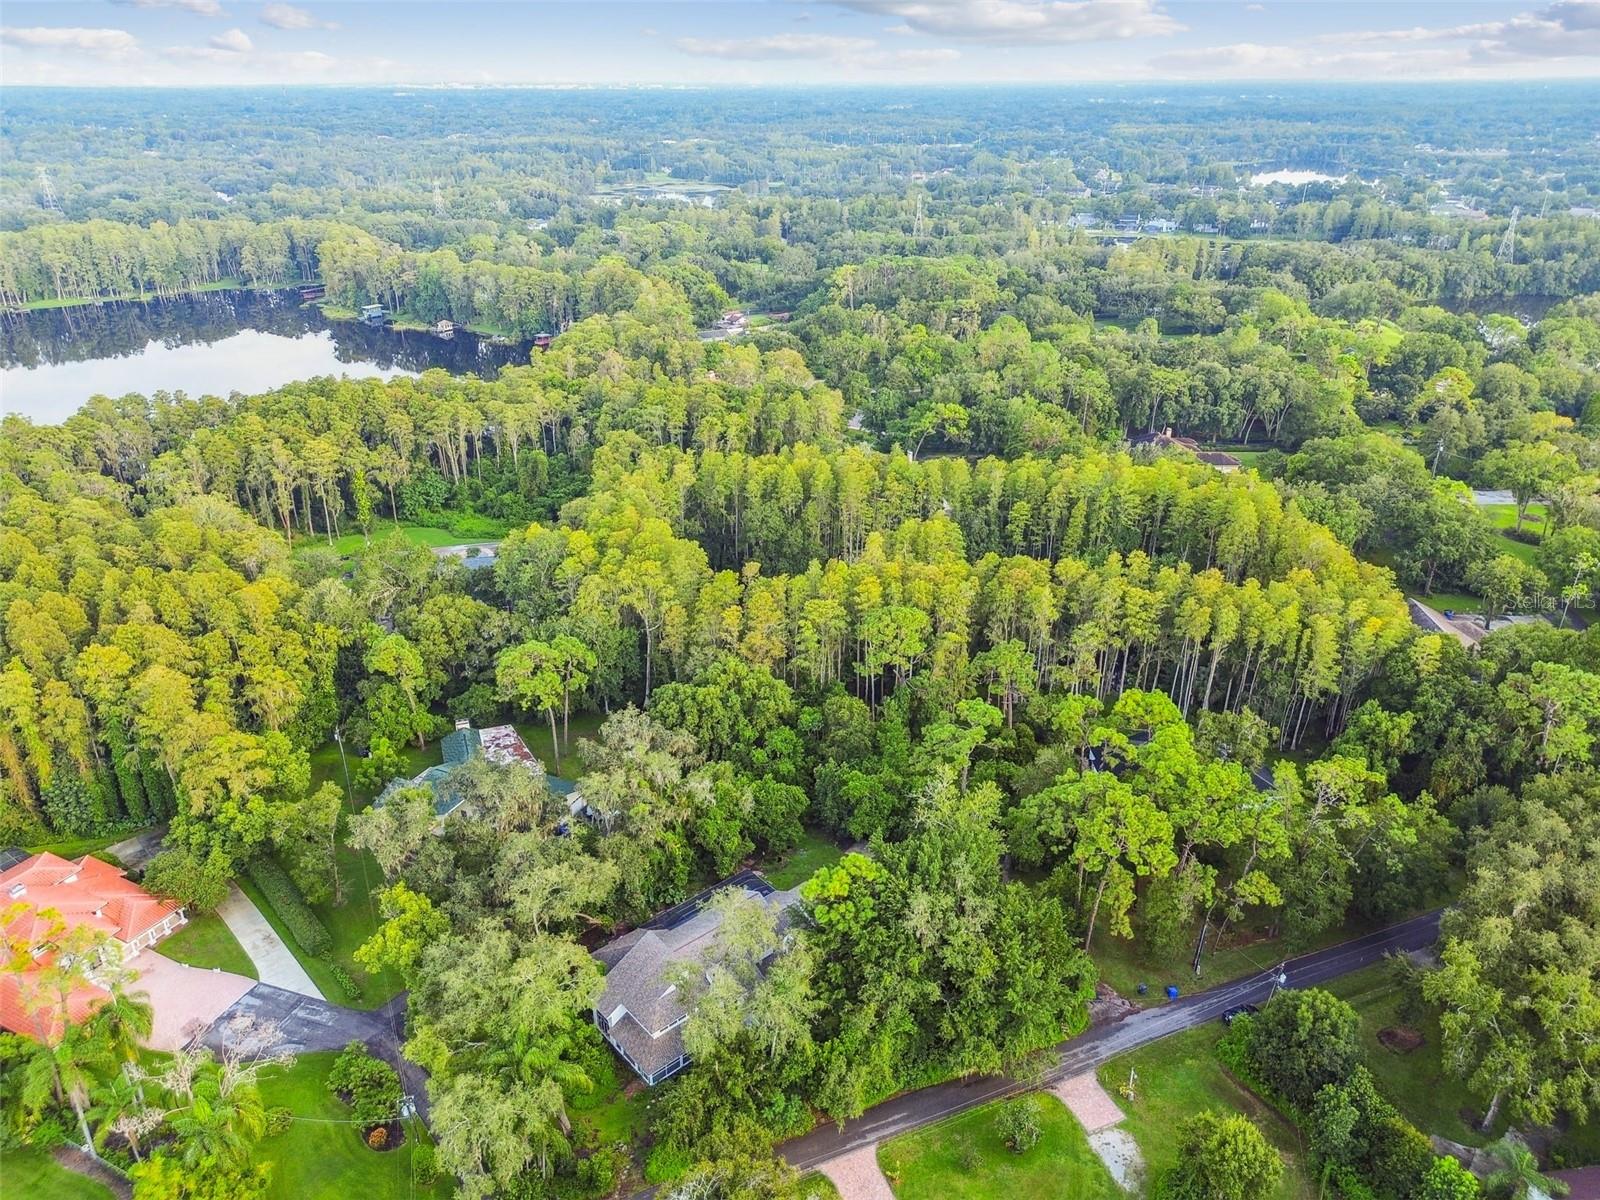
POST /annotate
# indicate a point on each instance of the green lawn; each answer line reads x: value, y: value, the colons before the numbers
x: 77, y: 847
x: 1415, y: 1081
x: 614, y: 1116
x: 1460, y: 603
x: 812, y: 1187
x: 353, y: 921
x: 33, y: 1174
x: 349, y: 924
x: 800, y: 864
x: 1504, y: 516
x: 537, y: 736
x: 348, y: 545
x: 1248, y: 456
x: 321, y: 1157
x: 1124, y: 965
x: 206, y: 941
x: 1180, y: 1076
x: 964, y: 1159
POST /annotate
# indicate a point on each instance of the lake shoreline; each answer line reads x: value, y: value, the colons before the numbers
x: 52, y: 361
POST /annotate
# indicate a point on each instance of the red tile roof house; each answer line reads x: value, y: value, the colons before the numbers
x: 45, y: 891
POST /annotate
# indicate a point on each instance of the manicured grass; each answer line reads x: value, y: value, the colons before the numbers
x: 1459, y: 603
x: 26, y: 1172
x: 77, y: 847
x: 964, y: 1159
x: 1180, y: 1076
x: 800, y: 864
x: 1124, y: 965
x: 812, y: 1187
x: 323, y: 1158
x: 1416, y: 1081
x: 326, y: 768
x: 536, y: 734
x: 348, y: 545
x: 349, y: 925
x: 353, y: 921
x: 206, y: 941
x: 1504, y: 516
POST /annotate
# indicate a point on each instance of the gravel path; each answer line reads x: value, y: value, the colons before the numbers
x: 857, y: 1176
x: 1088, y: 1101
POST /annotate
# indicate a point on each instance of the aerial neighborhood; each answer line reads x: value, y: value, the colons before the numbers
x: 859, y: 600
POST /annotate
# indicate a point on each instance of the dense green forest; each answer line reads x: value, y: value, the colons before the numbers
x: 901, y: 570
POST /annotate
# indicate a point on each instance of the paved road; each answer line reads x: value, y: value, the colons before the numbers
x: 915, y: 1109
x: 275, y: 962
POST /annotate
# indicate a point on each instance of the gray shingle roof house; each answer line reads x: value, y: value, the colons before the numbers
x: 639, y: 1012
x: 499, y: 744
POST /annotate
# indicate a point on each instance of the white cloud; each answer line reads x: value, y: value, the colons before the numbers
x: 1567, y: 32
x: 1026, y: 22
x: 100, y: 43
x: 287, y: 16
x: 852, y: 54
x: 201, y: 8
x: 777, y: 46
x: 235, y: 41
x: 918, y: 58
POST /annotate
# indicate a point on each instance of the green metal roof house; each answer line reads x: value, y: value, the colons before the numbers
x: 499, y: 744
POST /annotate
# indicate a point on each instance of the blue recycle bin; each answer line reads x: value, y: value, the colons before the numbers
x: 1172, y: 991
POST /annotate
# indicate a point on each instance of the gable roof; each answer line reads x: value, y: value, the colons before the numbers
x: 642, y: 1011
x: 636, y: 979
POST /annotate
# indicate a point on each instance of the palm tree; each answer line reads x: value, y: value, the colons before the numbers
x: 70, y: 1071
x: 124, y: 1021
x: 223, y: 1116
x: 121, y: 1108
x: 1518, y: 1176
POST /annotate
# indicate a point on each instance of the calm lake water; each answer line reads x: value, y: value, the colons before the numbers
x: 54, y: 360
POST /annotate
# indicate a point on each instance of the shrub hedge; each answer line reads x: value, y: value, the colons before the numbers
x: 290, y: 905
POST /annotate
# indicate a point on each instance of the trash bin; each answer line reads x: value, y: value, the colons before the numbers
x: 1172, y: 991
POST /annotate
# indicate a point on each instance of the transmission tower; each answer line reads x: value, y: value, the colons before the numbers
x: 438, y: 198
x: 47, y: 194
x: 1508, y: 244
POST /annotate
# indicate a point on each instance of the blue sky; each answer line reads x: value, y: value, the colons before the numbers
x: 177, y: 42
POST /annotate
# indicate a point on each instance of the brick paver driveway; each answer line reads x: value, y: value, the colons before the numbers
x: 186, y: 1000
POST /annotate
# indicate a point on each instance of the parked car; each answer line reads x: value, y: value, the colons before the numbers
x: 1239, y: 1010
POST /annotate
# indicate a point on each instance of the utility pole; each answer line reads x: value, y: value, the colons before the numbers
x: 338, y: 737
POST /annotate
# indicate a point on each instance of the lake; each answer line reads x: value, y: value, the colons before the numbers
x: 53, y: 360
x: 1293, y: 178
